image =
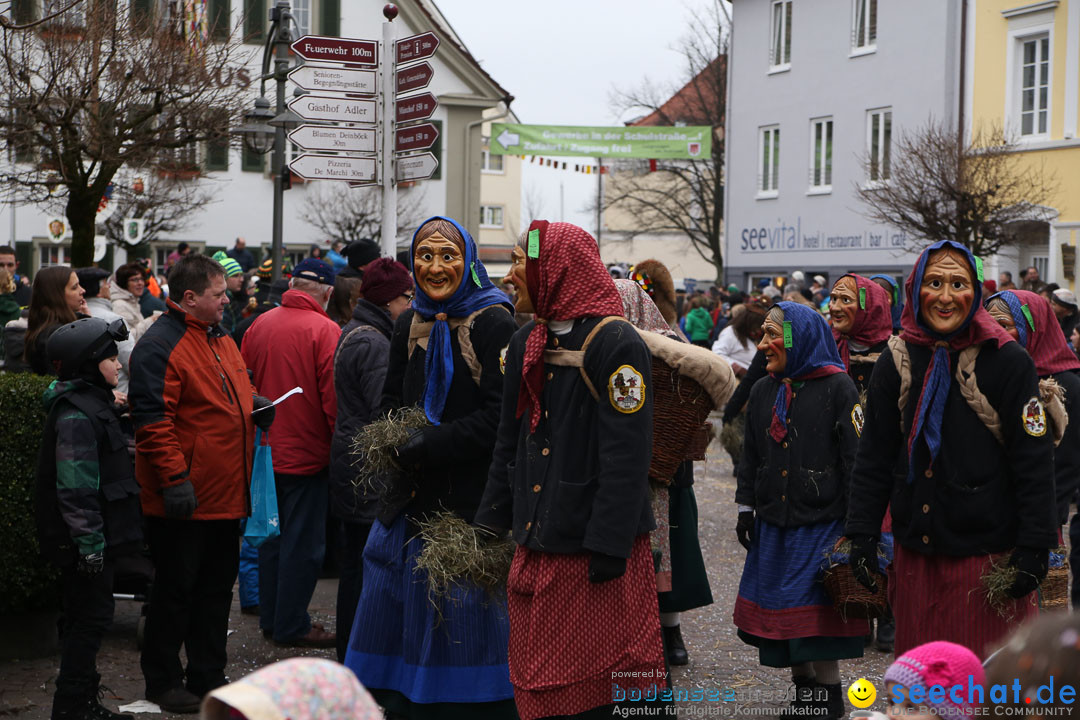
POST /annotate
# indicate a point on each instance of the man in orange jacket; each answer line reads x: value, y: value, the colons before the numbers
x: 192, y: 403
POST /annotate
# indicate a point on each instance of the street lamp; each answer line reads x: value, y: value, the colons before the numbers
x: 263, y: 128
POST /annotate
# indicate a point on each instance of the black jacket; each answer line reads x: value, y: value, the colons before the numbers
x: 802, y: 480
x: 1067, y: 453
x: 37, y: 355
x: 861, y: 371
x: 738, y: 399
x: 458, y: 450
x: 580, y: 482
x: 97, y: 497
x: 979, y: 497
x: 359, y: 372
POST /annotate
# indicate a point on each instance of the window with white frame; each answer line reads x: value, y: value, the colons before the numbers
x: 491, y: 216
x: 492, y: 163
x: 780, y: 37
x: 769, y: 161
x: 301, y: 12
x: 1033, y: 84
x: 879, y: 143
x: 51, y: 255
x: 821, y: 147
x: 864, y: 25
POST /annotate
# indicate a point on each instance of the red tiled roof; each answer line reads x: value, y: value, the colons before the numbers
x: 689, y: 103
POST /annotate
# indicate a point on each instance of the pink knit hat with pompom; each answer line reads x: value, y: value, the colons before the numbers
x: 939, y: 663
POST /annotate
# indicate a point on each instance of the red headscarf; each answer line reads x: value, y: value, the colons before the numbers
x: 1046, y: 343
x: 566, y: 281
x: 873, y: 319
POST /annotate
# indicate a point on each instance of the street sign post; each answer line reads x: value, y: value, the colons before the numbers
x: 416, y: 77
x: 415, y: 107
x: 416, y: 167
x: 653, y: 142
x: 416, y: 47
x: 334, y: 167
x: 415, y: 137
x: 335, y: 49
x: 334, y: 79
x: 337, y: 109
x: 340, y: 139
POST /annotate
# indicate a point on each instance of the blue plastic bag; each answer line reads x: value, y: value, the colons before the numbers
x: 263, y: 523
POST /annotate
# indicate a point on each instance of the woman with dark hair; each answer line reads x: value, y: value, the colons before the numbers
x: 342, y: 302
x: 126, y: 292
x: 56, y: 300
x: 737, y: 341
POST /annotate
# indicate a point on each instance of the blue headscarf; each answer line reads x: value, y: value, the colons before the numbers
x: 897, y: 300
x: 474, y: 293
x: 1016, y: 309
x: 812, y: 354
x: 977, y: 327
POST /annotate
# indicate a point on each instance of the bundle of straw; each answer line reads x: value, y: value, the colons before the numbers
x: 996, y: 583
x: 374, y: 446
x: 731, y: 436
x: 455, y: 553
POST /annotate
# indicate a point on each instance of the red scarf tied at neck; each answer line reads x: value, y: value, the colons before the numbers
x: 566, y: 280
x: 873, y: 318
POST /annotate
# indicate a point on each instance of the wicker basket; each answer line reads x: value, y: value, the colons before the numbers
x: 680, y: 406
x: 850, y: 598
x: 699, y: 444
x: 1055, y: 588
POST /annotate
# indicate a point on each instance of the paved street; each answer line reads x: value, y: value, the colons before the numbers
x: 718, y: 659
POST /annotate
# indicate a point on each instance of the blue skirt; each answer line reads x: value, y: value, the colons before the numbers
x: 401, y: 642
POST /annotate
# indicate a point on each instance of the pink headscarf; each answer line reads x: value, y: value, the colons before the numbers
x: 640, y: 309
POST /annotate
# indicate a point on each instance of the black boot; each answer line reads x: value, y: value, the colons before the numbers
x: 673, y: 645
x: 868, y: 639
x: 831, y: 706
x: 803, y: 705
x: 886, y: 634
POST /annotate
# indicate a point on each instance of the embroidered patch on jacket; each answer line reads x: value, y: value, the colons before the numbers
x: 502, y: 359
x: 626, y: 389
x: 857, y: 418
x: 1034, y: 418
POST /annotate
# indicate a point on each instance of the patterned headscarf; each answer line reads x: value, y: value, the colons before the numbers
x: 978, y: 327
x: 873, y: 321
x: 566, y: 280
x: 897, y: 299
x: 1039, y: 331
x: 812, y: 355
x: 474, y: 293
x: 640, y: 310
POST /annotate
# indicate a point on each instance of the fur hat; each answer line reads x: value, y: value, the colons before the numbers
x: 654, y: 278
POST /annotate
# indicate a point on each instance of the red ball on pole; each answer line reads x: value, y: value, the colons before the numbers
x: 390, y: 11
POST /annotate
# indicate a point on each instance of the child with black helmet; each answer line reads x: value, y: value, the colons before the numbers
x: 87, y: 502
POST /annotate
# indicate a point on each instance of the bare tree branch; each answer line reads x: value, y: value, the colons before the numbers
x: 940, y: 187
x: 166, y: 205
x: 83, y: 100
x: 349, y: 214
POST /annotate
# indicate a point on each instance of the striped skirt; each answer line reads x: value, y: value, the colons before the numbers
x: 575, y: 645
x: 781, y: 595
x: 936, y: 597
x: 401, y: 642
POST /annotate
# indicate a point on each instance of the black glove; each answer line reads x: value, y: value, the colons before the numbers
x: 264, y: 412
x: 1031, y: 565
x: 605, y: 567
x: 90, y: 564
x: 744, y: 528
x: 864, y: 560
x: 180, y: 500
x: 412, y: 453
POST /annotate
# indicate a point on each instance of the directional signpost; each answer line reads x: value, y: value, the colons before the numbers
x: 415, y: 107
x: 417, y: 47
x: 415, y: 137
x: 335, y: 49
x: 416, y: 77
x: 334, y: 79
x: 416, y: 167
x: 338, y: 109
x: 338, y: 139
x: 334, y: 167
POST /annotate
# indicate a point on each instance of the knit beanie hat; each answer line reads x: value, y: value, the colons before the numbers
x: 232, y: 268
x: 939, y: 663
x: 384, y: 280
x: 361, y: 252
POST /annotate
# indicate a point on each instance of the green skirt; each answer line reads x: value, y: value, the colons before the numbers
x: 689, y: 581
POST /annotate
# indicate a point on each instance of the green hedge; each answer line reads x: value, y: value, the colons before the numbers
x: 28, y: 582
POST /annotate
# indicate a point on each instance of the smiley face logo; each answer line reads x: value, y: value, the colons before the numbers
x: 862, y: 693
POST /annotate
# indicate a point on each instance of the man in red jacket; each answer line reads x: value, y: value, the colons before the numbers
x: 192, y: 404
x: 293, y: 346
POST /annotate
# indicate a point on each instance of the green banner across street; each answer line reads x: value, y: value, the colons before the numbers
x: 647, y: 142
